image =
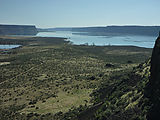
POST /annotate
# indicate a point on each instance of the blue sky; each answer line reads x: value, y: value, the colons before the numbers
x: 72, y: 13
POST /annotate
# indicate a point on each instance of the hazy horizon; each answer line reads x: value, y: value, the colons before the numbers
x: 84, y: 13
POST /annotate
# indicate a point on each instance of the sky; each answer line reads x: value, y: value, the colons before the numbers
x: 79, y: 13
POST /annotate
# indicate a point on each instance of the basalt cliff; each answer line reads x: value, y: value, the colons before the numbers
x: 153, y: 87
x: 17, y: 30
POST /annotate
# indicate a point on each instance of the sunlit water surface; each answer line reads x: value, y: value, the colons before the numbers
x: 133, y: 40
x: 9, y: 46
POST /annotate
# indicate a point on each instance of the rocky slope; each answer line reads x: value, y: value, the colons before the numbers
x: 134, y: 94
x: 128, y: 95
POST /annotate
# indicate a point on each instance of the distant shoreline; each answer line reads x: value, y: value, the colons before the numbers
x: 20, y: 39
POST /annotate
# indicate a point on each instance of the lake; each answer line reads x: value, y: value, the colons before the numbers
x: 9, y: 46
x: 133, y: 40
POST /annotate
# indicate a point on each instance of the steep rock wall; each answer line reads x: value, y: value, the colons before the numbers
x: 153, y: 88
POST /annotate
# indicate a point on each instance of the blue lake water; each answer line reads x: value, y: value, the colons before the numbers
x: 134, y: 40
x: 8, y: 46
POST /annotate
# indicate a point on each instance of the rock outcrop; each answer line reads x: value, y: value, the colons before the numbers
x: 153, y: 88
x: 17, y: 30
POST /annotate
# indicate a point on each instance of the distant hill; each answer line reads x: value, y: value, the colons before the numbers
x: 112, y: 30
x: 18, y: 30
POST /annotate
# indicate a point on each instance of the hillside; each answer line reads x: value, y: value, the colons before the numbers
x: 17, y: 30
x: 127, y: 94
x: 49, y: 78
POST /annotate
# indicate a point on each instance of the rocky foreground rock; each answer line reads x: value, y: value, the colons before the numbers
x: 153, y: 87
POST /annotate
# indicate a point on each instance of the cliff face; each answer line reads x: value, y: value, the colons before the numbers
x: 155, y: 64
x: 17, y: 30
x: 153, y: 88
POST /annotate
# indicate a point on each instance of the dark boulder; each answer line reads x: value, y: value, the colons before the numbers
x: 100, y: 75
x: 32, y: 102
x: 109, y: 65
